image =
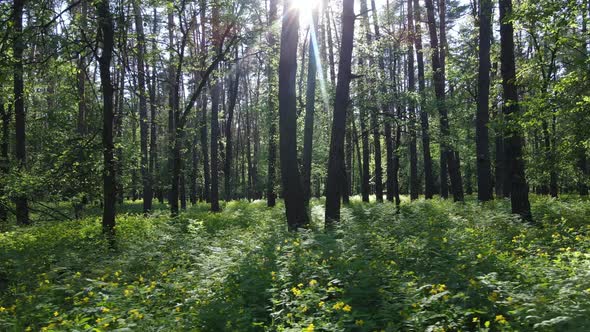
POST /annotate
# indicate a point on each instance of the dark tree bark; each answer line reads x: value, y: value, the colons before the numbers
x: 386, y: 110
x: 309, y: 110
x: 173, y: 102
x: 143, y: 119
x: 412, y: 107
x: 448, y: 164
x: 365, y: 190
x: 272, y: 129
x: 81, y: 64
x: 336, y: 167
x: 331, y: 61
x: 215, y: 90
x: 203, y: 124
x: 519, y: 191
x: 153, y: 162
x: 233, y: 96
x: 105, y: 26
x: 291, y: 180
x: 374, y: 121
x: 22, y: 209
x: 584, y: 171
x: 484, y: 172
x: 428, y: 175
x: 4, y: 158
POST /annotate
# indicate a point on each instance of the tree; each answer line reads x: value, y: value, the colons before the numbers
x: 106, y: 29
x: 428, y: 176
x: 411, y: 107
x: 484, y: 172
x: 143, y: 120
x: 519, y: 191
x: 215, y: 90
x: 336, y: 167
x: 22, y: 209
x: 292, y: 188
x: 272, y: 126
x: 449, y: 164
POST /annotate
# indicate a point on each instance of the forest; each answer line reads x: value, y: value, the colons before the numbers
x: 294, y: 165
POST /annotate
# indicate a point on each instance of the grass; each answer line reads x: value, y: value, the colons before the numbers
x: 433, y: 266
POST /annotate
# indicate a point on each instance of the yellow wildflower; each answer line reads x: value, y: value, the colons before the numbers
x: 300, y: 285
x: 487, y: 323
x: 500, y: 319
x: 55, y: 313
x: 313, y: 282
x: 359, y: 322
x: 347, y: 308
x: 475, y: 319
x: 105, y: 309
x: 296, y: 291
x: 2, y: 309
x: 321, y: 304
x: 338, y: 305
x: 309, y: 328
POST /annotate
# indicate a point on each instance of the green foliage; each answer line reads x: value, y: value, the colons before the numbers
x: 434, y: 266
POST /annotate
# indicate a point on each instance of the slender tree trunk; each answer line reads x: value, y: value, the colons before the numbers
x: 215, y: 90
x: 336, y: 167
x: 172, y: 135
x: 105, y: 26
x: 484, y: 172
x: 553, y: 185
x: 428, y: 175
x: 349, y: 154
x: 4, y: 158
x: 143, y: 120
x: 233, y: 91
x: 365, y: 189
x: 331, y: 61
x: 81, y: 121
x: 448, y: 161
x: 272, y: 130
x: 292, y: 189
x: 519, y: 191
x: 153, y: 162
x: 309, y: 110
x: 412, y: 107
x: 584, y: 171
x: 22, y: 209
x: 205, y: 151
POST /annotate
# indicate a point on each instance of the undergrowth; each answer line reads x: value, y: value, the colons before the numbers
x: 434, y: 266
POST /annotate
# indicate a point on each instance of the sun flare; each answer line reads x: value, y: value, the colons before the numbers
x: 305, y: 8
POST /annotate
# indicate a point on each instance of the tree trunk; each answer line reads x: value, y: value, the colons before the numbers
x: 448, y: 162
x: 4, y: 159
x: 143, y: 120
x: 484, y: 172
x: 519, y: 193
x: 215, y: 119
x: 22, y: 209
x: 105, y: 25
x: 411, y: 107
x: 81, y: 121
x: 272, y: 129
x: 309, y: 110
x: 336, y: 167
x: 233, y: 96
x: 331, y: 61
x: 292, y: 189
x: 428, y: 176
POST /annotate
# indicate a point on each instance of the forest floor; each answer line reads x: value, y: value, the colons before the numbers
x: 435, y: 265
